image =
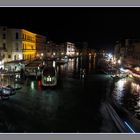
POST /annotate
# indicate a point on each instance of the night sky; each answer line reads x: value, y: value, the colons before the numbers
x: 99, y: 26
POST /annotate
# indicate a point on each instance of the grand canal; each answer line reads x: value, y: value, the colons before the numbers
x: 75, y: 105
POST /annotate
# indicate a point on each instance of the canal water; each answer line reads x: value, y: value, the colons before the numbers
x: 126, y: 94
x: 73, y: 106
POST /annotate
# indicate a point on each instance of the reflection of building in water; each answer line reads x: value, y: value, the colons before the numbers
x: 71, y: 65
x: 76, y: 65
x: 77, y: 60
x: 127, y: 94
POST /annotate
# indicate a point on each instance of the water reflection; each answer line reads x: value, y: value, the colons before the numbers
x: 74, y: 65
x: 32, y: 85
x: 118, y: 92
x: 71, y: 65
x: 135, y: 88
x: 127, y: 94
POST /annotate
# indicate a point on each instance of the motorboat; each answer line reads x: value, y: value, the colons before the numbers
x: 6, y: 91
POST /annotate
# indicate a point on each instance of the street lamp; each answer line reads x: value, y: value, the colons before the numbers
x: 53, y: 53
x: 119, y: 61
x: 42, y: 54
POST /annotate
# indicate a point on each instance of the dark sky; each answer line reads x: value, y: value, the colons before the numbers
x: 99, y: 26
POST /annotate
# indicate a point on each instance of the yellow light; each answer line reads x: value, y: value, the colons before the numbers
x: 29, y: 46
x: 37, y: 55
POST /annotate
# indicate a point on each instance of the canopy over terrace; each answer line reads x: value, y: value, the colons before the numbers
x: 16, y: 65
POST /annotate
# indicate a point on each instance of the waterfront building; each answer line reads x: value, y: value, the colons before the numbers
x: 20, y: 44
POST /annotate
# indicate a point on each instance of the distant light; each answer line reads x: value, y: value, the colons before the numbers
x: 119, y: 61
x: 114, y: 62
x: 42, y: 54
x: 110, y: 55
x: 122, y: 69
x: 43, y: 62
x: 54, y: 64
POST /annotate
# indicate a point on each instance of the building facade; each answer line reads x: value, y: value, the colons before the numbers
x: 70, y: 49
x: 128, y: 50
x: 28, y: 44
x: 18, y: 44
x: 41, y: 45
x: 61, y: 49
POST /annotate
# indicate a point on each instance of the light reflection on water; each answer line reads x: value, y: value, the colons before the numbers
x: 118, y: 92
x: 127, y: 94
x: 135, y: 88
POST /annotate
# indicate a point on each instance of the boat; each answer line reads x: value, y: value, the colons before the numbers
x: 6, y: 91
x: 49, y: 77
